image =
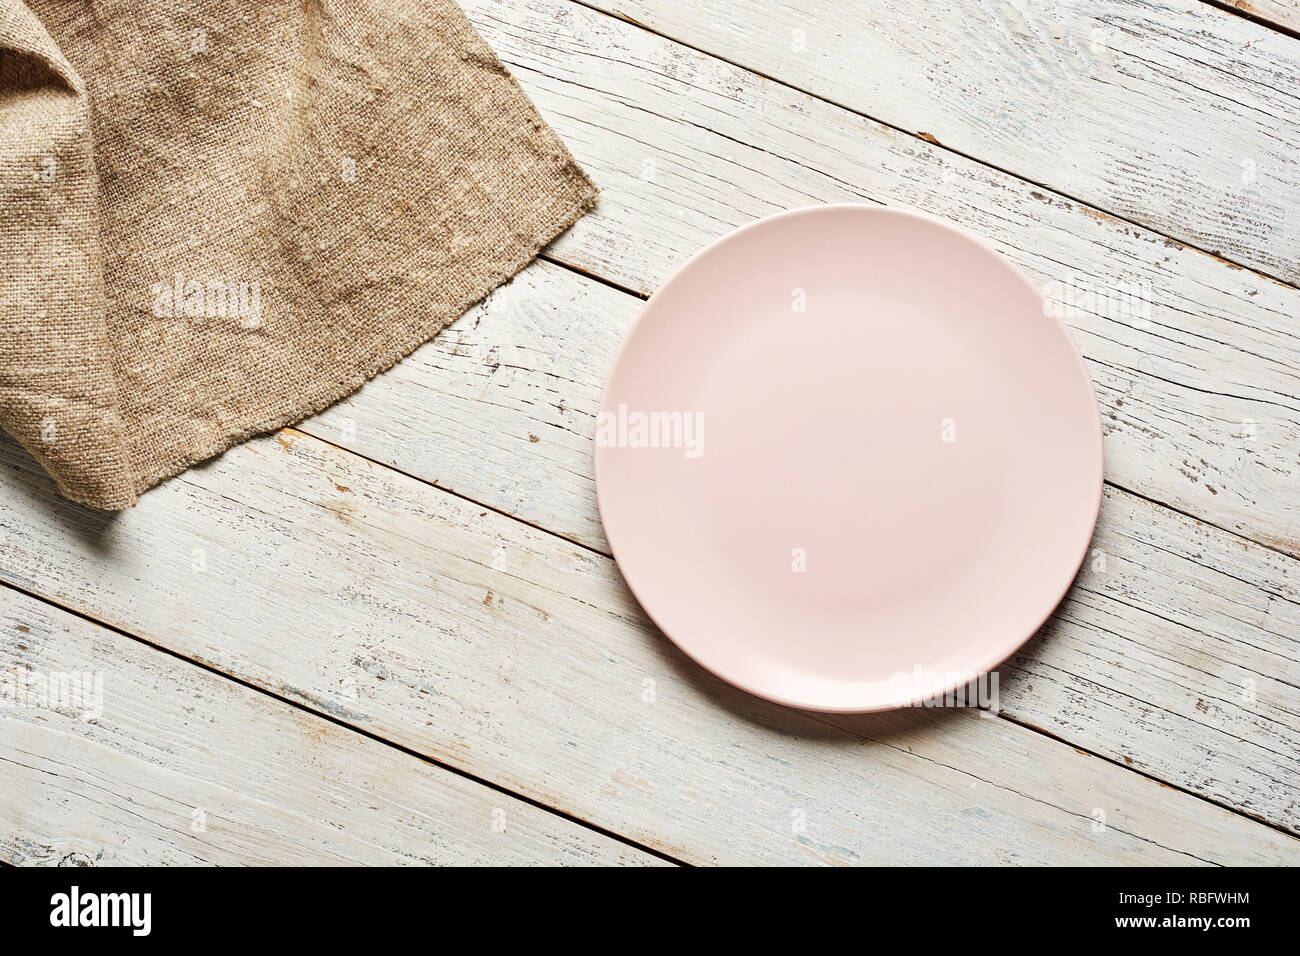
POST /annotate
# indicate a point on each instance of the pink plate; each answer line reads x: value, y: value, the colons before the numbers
x: 847, y: 459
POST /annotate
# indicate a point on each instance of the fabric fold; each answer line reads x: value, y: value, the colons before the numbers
x: 58, y: 394
x: 219, y: 218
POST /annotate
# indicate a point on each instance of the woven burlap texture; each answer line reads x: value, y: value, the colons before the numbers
x: 221, y: 216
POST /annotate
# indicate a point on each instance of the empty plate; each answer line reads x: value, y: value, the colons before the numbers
x: 847, y: 459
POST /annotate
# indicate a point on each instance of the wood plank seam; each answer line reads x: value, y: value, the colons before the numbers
x: 1241, y: 8
x: 176, y: 765
x: 1257, y: 818
x: 932, y: 140
x: 324, y: 714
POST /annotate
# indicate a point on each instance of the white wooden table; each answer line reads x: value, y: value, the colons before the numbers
x: 394, y: 634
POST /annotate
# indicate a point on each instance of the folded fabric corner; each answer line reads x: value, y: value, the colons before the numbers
x: 58, y: 395
x: 219, y: 218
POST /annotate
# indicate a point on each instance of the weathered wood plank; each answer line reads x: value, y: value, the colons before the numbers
x: 1171, y: 113
x: 1177, y: 652
x: 516, y: 656
x: 178, y: 766
x: 1194, y: 360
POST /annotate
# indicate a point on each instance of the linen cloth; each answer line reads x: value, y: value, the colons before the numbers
x: 220, y: 216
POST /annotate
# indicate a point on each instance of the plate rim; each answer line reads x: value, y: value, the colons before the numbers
x: 985, y: 666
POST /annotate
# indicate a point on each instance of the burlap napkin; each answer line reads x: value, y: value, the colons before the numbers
x: 220, y: 216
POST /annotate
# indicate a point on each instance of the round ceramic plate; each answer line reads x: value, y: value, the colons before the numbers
x: 847, y: 459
